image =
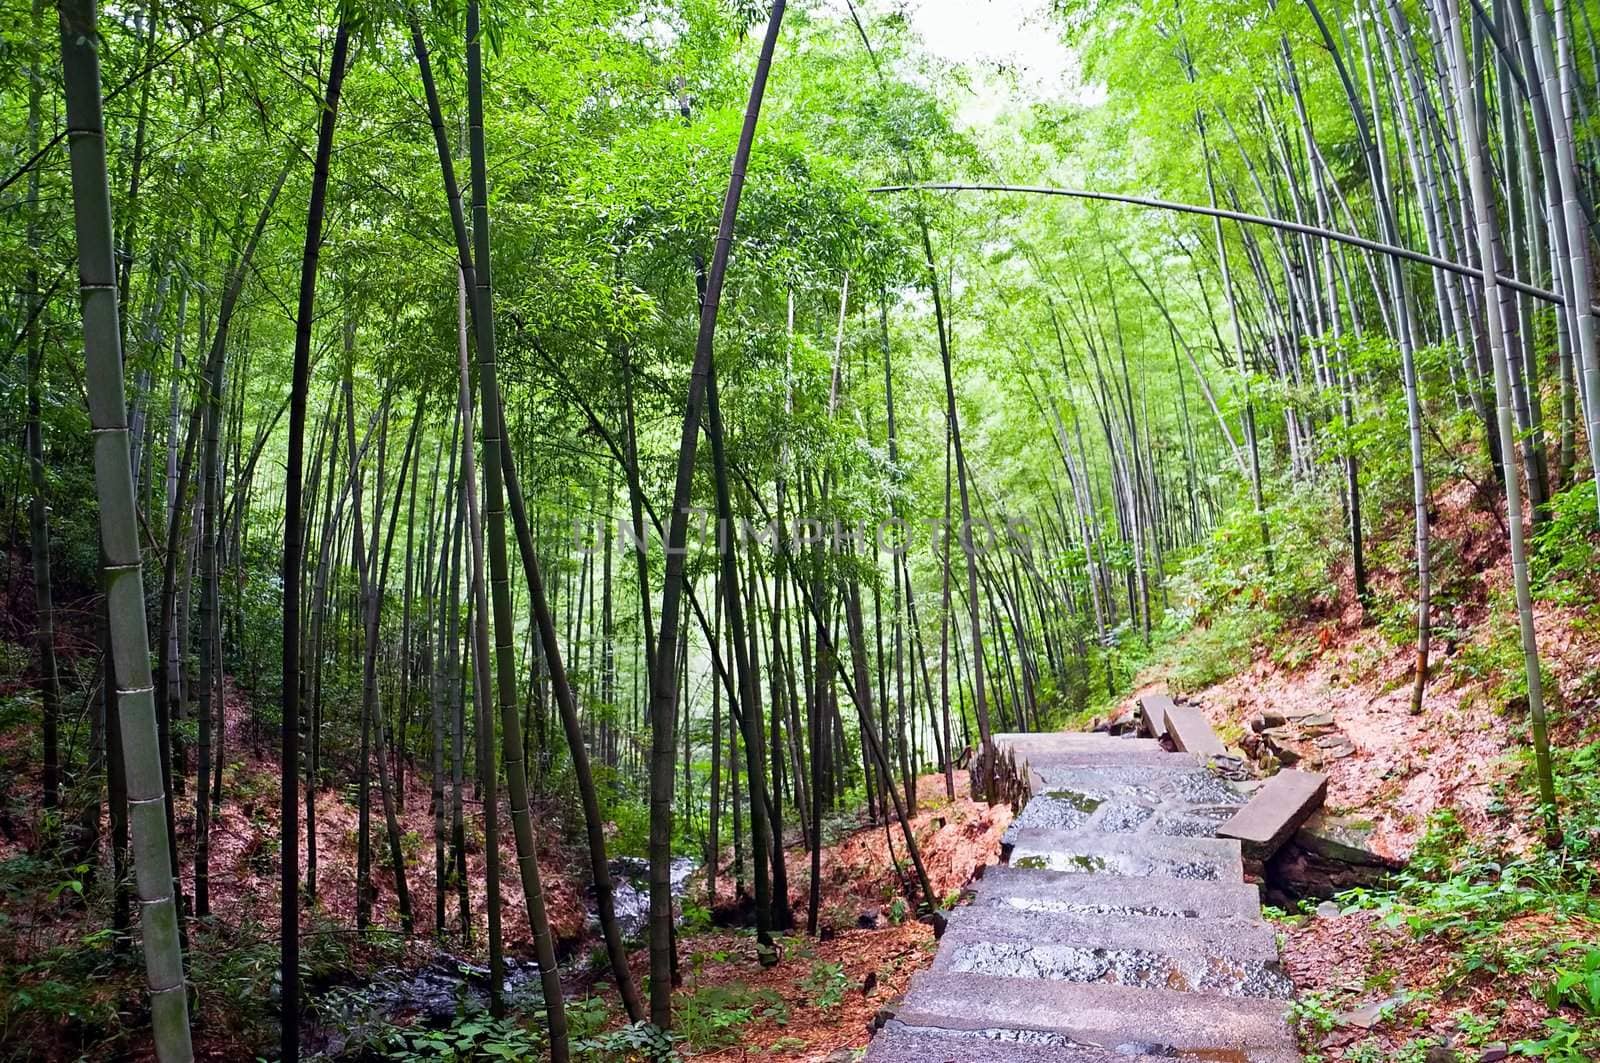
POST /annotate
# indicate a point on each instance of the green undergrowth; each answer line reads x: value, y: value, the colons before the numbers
x: 1231, y: 598
x: 1524, y: 921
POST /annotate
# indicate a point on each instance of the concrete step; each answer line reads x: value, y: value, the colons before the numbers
x: 1101, y: 756
x: 1030, y: 890
x: 1178, y: 782
x: 1029, y: 743
x: 1237, y: 938
x: 1275, y: 812
x: 1196, y: 859
x: 1139, y: 813
x: 1123, y: 1020
x: 899, y: 1043
x: 1129, y: 953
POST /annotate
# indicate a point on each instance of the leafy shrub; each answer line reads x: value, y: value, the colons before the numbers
x: 711, y: 1017
x: 827, y: 984
x: 1562, y: 563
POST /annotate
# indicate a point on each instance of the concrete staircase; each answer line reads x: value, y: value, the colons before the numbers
x: 1121, y: 930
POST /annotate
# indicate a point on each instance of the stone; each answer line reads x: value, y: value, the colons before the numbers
x: 1333, y: 747
x: 1121, y: 931
x: 1345, y: 839
x: 1329, y: 910
x: 1124, y: 720
x: 1193, y: 859
x: 1442, y: 1054
x: 1369, y: 1015
x: 1191, y: 733
x: 1230, y: 767
x: 1027, y: 746
x: 899, y: 1043
x: 1281, y: 743
x: 1320, y: 724
x: 1225, y: 938
x: 1117, y: 1018
x: 1153, y: 715
x: 1272, y: 718
x: 1494, y: 1053
x: 1258, y: 723
x: 1020, y: 890
x: 1276, y: 812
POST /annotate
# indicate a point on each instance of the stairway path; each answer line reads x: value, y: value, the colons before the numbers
x: 1120, y: 929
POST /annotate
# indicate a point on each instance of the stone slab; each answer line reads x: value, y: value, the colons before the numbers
x: 1276, y: 812
x: 1153, y: 715
x: 1344, y: 839
x: 1191, y: 733
x: 1125, y: 1020
x: 899, y: 1043
x: 1181, y: 786
x: 1236, y: 938
x: 1116, y: 896
x: 1141, y: 968
x: 1154, y: 759
x: 1073, y: 742
x: 1192, y: 859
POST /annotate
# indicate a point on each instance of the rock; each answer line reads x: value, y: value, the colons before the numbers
x: 1326, y: 855
x: 1230, y: 767
x: 1368, y: 1016
x: 1258, y: 723
x: 1329, y: 910
x: 1153, y: 715
x: 868, y: 919
x: 1334, y: 747
x: 1279, y: 741
x: 1495, y: 1053
x: 1272, y: 718
x: 1123, y: 721
x: 1442, y: 1054
x: 1345, y: 839
x: 1251, y: 744
x: 1320, y: 724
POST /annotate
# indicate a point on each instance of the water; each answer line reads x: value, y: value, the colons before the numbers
x: 630, y: 890
x: 350, y: 1016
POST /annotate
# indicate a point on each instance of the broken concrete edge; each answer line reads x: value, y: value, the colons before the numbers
x: 1275, y: 812
x: 1343, y: 839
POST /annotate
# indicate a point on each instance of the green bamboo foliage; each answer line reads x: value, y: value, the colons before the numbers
x: 1484, y: 207
x: 499, y: 566
x: 121, y: 566
x: 664, y: 685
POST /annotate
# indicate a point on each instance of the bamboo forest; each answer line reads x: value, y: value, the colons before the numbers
x: 914, y: 531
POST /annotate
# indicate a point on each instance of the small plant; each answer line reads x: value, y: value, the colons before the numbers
x: 473, y: 1035
x: 711, y: 1017
x: 827, y: 984
x: 1312, y: 1013
x: 641, y: 1039
x: 1563, y: 1042
x: 1577, y: 985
